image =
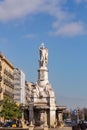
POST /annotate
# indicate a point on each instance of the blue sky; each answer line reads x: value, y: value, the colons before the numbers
x: 62, y: 26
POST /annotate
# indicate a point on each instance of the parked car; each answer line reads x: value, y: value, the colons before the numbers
x: 7, y: 124
x: 68, y: 123
x: 85, y: 123
x: 10, y: 124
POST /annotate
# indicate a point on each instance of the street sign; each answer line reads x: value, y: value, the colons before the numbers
x: 75, y: 112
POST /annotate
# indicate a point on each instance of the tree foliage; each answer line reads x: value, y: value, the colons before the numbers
x: 10, y: 109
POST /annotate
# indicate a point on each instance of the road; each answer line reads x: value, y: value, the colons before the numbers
x: 64, y: 128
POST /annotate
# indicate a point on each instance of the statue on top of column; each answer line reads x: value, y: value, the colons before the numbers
x: 43, y: 55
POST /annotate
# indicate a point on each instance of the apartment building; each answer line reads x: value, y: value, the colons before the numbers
x: 19, y: 86
x: 6, y: 78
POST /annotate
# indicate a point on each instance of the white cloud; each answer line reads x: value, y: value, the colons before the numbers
x: 63, y: 25
x: 12, y: 9
x: 69, y: 29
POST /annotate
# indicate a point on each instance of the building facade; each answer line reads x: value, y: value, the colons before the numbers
x: 19, y: 86
x: 6, y: 78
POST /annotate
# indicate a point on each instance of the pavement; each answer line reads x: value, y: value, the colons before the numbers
x: 62, y: 128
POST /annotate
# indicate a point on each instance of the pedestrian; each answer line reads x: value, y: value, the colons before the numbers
x: 83, y: 125
x: 17, y: 122
x: 75, y: 127
x: 20, y: 123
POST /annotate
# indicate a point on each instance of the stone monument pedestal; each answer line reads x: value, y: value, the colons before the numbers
x: 45, y: 126
x: 31, y: 126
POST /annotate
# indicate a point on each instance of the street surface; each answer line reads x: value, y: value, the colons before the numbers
x: 64, y: 128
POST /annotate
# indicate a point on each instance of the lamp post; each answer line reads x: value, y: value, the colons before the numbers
x: 78, y: 114
x: 31, y: 126
x: 31, y: 111
x: 22, y: 108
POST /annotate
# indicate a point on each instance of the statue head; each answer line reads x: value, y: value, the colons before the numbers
x: 42, y: 45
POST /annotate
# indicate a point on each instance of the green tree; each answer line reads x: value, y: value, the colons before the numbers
x: 10, y: 109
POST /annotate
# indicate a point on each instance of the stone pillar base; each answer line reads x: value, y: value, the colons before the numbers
x: 45, y: 126
x: 31, y: 126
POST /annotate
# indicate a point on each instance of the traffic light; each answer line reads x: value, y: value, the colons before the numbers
x: 78, y: 111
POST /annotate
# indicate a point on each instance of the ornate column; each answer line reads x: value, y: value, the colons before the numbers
x: 43, y: 71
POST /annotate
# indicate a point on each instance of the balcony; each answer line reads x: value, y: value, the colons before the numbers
x: 9, y: 74
x: 1, y: 101
x: 0, y: 89
x: 8, y: 83
x: 0, y: 78
x: 0, y: 67
x: 8, y: 93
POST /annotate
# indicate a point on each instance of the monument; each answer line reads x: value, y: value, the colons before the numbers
x: 42, y: 102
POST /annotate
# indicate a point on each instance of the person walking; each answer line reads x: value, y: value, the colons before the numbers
x: 76, y: 127
x: 83, y: 126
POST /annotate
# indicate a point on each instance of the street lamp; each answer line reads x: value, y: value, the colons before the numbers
x: 22, y: 108
x: 31, y: 111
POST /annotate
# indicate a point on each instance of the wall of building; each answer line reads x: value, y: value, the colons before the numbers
x: 7, y: 78
x: 19, y: 86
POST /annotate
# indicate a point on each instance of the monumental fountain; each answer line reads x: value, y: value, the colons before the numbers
x: 43, y: 109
